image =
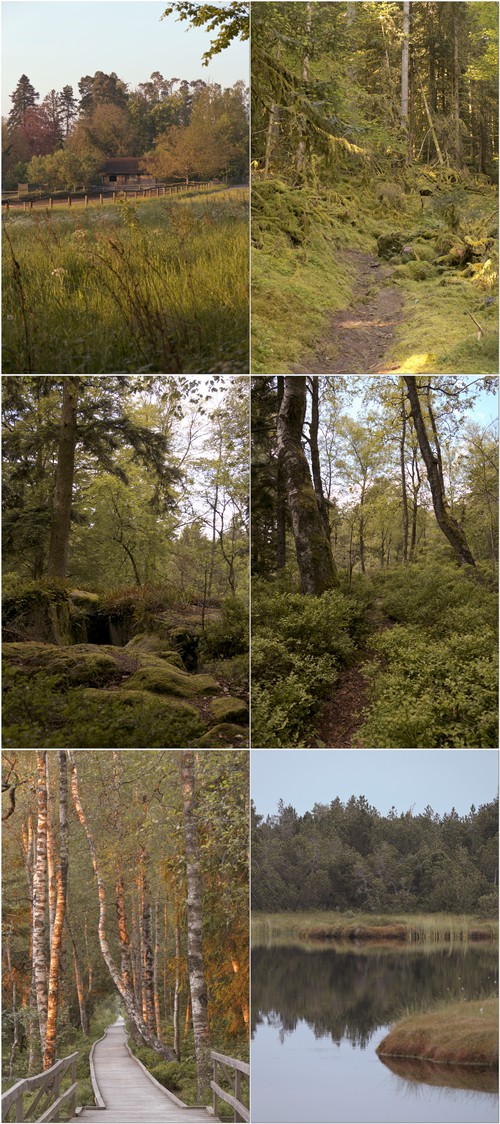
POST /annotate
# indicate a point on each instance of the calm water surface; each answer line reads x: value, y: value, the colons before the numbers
x: 318, y: 1016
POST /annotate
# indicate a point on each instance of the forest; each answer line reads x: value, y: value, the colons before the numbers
x: 125, y: 891
x: 374, y: 562
x: 156, y: 279
x: 347, y: 857
x: 125, y: 561
x: 374, y: 187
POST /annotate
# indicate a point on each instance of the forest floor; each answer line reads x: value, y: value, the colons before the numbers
x: 359, y: 336
x: 343, y: 713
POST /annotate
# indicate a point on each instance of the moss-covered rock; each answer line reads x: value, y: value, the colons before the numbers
x: 49, y: 612
x: 417, y: 270
x: 226, y: 735
x: 169, y: 680
x: 230, y: 709
x: 151, y: 644
x: 136, y: 699
x: 75, y: 664
x: 389, y: 244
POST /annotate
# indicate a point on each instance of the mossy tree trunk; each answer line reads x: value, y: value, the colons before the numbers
x: 314, y: 556
x: 432, y: 460
x: 63, y: 491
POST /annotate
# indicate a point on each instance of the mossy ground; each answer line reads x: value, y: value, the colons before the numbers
x: 302, y: 273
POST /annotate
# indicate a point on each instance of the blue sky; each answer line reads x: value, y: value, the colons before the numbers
x: 403, y: 778
x: 56, y: 42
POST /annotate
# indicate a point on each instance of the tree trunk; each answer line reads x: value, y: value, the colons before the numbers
x: 404, y: 492
x: 449, y: 526
x: 301, y: 147
x: 315, y: 461
x: 156, y: 994
x: 61, y: 516
x: 147, y: 957
x: 197, y: 984
x: 405, y: 59
x: 80, y: 990
x: 177, y: 985
x: 314, y: 556
x: 40, y: 898
x: 456, y: 86
x: 58, y: 930
x: 280, y: 496
x: 147, y: 1035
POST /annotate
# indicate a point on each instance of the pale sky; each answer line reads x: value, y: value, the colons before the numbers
x: 56, y: 42
x: 404, y: 778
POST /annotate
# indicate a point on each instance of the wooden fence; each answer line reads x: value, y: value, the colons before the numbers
x: 99, y: 197
x: 48, y: 1099
x: 234, y: 1072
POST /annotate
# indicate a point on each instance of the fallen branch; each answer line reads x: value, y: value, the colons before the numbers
x: 481, y: 330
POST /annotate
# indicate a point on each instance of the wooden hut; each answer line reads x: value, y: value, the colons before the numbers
x: 122, y: 172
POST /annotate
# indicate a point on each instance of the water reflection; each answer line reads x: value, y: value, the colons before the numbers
x: 450, y: 1076
x: 319, y: 1013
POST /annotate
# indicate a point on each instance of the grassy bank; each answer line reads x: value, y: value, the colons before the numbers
x: 302, y: 272
x: 152, y: 285
x: 453, y: 1033
x: 407, y: 928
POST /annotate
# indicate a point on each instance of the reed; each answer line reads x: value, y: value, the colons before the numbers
x: 423, y: 929
x: 463, y: 1033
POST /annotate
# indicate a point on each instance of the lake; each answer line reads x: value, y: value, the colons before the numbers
x: 318, y: 1014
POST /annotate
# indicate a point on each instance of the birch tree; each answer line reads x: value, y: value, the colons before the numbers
x: 197, y: 984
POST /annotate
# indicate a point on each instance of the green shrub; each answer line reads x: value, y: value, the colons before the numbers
x: 433, y: 693
x: 228, y: 636
x: 167, y: 1073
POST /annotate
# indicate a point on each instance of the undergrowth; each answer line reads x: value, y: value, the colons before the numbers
x: 299, y: 643
x: 437, y: 683
x: 160, y: 285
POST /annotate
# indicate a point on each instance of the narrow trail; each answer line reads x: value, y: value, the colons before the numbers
x: 343, y: 713
x: 359, y: 337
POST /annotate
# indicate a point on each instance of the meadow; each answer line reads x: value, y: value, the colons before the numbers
x: 146, y: 285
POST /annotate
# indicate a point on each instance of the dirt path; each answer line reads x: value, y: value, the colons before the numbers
x: 343, y: 713
x: 359, y: 337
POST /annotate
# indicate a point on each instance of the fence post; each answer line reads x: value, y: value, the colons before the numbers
x: 237, y: 1090
x: 69, y: 200
x: 215, y: 1082
x: 86, y: 200
x: 73, y: 1095
x: 114, y: 197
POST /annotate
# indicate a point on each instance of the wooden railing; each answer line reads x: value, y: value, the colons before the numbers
x: 241, y: 1072
x: 49, y: 1099
x: 10, y: 201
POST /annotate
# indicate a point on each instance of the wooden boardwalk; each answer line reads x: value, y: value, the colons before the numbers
x: 129, y: 1094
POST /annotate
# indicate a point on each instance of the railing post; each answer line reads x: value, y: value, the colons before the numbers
x: 237, y: 1090
x: 57, y: 1086
x: 73, y: 1079
x: 215, y: 1082
x: 20, y: 1106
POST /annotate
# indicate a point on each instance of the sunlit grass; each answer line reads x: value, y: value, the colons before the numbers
x: 153, y: 285
x: 464, y: 1033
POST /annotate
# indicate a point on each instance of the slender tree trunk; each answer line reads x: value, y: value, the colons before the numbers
x: 272, y: 127
x: 61, y: 516
x: 177, y: 984
x: 58, y: 931
x: 456, y: 86
x: 40, y: 898
x: 449, y: 526
x: 80, y: 990
x: 51, y: 871
x: 280, y: 495
x: 405, y: 64
x: 156, y: 994
x: 197, y: 984
x: 147, y: 1035
x: 404, y: 491
x: 314, y: 556
x: 148, y: 1006
x: 301, y: 147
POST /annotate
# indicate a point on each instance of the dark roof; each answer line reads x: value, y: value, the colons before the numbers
x: 123, y: 164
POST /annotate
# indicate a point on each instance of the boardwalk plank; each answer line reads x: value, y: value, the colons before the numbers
x: 130, y: 1096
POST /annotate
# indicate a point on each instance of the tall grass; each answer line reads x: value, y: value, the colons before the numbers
x: 411, y: 928
x: 157, y: 285
x: 463, y: 1033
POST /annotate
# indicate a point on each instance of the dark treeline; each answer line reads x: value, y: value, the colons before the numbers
x: 349, y: 856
